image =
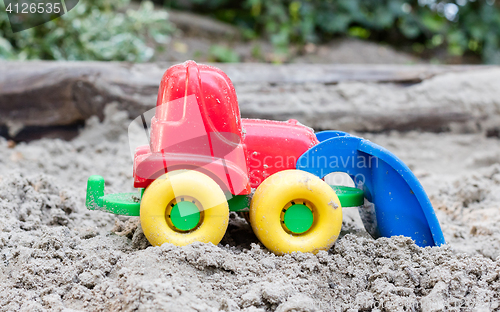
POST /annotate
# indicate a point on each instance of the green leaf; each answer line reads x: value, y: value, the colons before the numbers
x: 409, y: 28
x: 433, y: 22
x: 359, y: 32
x: 223, y: 54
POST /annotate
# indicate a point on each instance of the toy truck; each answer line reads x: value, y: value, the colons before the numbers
x: 203, y: 160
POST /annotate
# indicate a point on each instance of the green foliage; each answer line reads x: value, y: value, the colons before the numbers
x: 474, y: 27
x: 219, y: 53
x: 93, y: 30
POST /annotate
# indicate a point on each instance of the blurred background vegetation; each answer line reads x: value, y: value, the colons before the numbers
x: 463, y: 30
x: 93, y: 30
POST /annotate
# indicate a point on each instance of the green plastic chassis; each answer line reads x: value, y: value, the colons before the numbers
x: 129, y: 204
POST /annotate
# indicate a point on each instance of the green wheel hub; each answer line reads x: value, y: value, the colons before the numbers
x: 349, y: 196
x: 298, y: 218
x: 185, y: 216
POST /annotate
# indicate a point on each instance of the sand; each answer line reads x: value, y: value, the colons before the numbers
x: 55, y: 255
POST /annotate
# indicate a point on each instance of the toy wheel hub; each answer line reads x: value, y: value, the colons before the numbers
x: 297, y: 218
x: 184, y: 215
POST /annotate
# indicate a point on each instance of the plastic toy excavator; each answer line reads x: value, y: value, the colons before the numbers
x: 203, y: 160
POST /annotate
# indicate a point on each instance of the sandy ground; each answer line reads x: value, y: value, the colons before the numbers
x: 56, y: 255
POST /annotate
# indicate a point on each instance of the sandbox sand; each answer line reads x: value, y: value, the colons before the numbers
x: 56, y: 255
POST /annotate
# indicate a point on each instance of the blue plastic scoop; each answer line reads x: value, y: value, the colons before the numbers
x: 399, y: 204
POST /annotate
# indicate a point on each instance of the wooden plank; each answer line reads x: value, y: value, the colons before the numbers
x: 335, y: 73
x: 42, y: 93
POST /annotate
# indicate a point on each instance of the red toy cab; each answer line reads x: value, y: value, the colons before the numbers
x: 197, y: 125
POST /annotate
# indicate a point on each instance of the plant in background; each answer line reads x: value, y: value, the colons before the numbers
x: 477, y: 29
x: 105, y: 30
x: 93, y: 30
x: 461, y: 26
x: 220, y: 53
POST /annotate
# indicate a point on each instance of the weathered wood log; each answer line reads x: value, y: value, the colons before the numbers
x: 344, y: 97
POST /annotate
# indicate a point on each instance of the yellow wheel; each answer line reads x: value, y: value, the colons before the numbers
x: 183, y: 207
x: 294, y: 210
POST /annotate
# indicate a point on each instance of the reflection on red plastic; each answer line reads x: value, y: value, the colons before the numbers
x: 197, y: 125
x: 273, y: 146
